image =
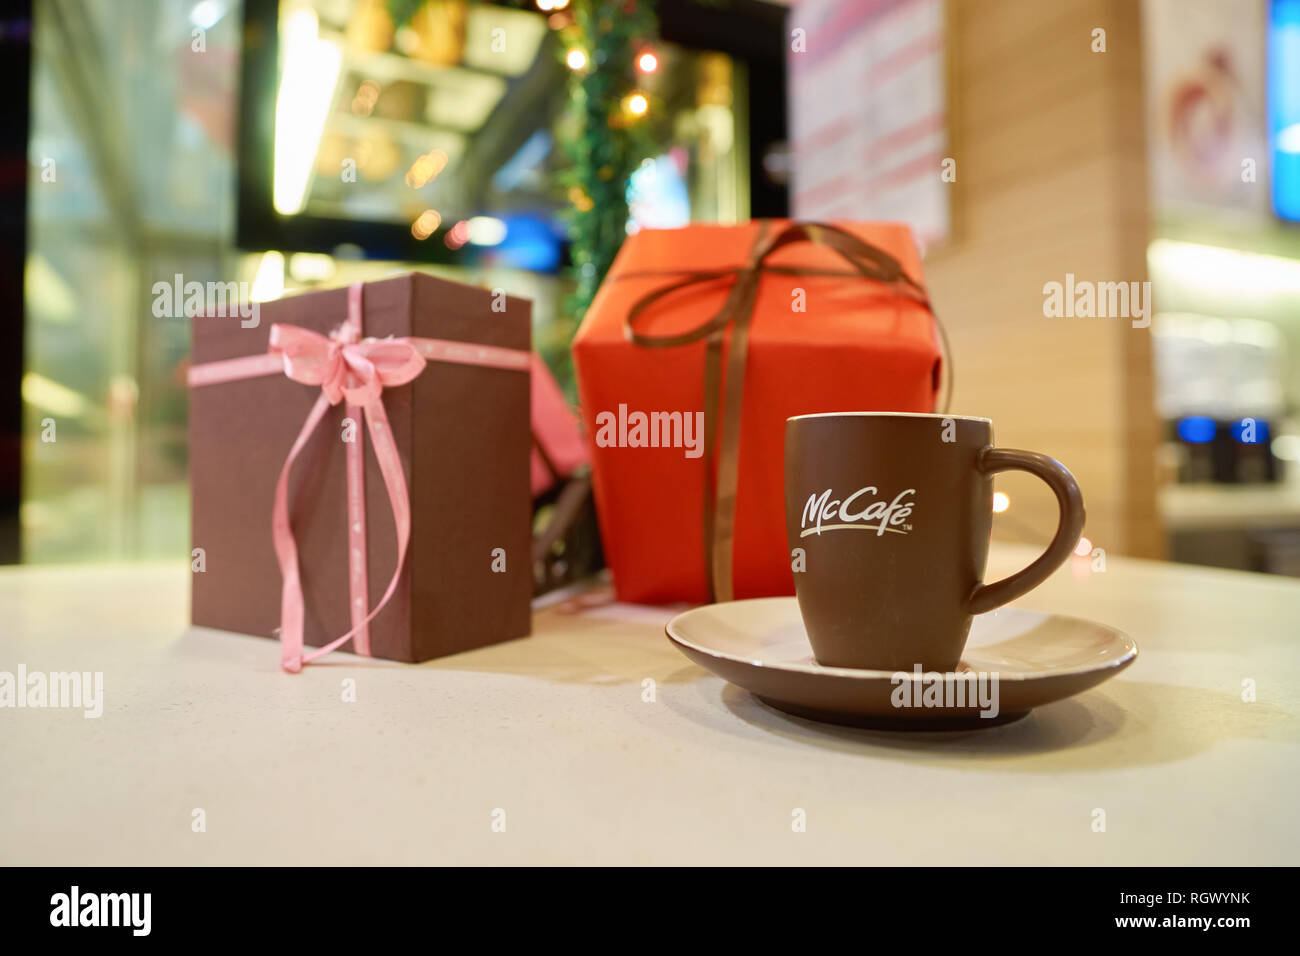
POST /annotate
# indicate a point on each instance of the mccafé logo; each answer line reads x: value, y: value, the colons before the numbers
x: 858, y: 512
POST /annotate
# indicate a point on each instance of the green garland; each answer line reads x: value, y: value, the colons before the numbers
x: 611, y: 141
x: 605, y: 142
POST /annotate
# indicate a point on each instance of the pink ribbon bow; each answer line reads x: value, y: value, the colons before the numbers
x: 343, y: 366
x: 355, y: 371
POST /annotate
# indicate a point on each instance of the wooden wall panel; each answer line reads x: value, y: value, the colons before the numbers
x: 1051, y: 179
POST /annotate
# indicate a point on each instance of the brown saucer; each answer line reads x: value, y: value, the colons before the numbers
x: 761, y: 645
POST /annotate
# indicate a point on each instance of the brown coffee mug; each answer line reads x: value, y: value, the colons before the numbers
x: 892, y: 513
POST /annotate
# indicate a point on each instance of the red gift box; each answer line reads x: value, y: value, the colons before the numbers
x: 736, y: 328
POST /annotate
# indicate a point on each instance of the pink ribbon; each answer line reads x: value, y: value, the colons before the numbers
x: 356, y: 371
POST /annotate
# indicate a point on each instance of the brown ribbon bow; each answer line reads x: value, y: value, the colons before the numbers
x: 868, y: 262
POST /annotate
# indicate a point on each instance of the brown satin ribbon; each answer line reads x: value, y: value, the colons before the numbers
x: 868, y: 262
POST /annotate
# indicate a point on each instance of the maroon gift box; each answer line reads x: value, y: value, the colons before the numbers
x: 462, y: 434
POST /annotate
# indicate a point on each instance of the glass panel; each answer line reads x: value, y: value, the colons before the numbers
x: 134, y: 103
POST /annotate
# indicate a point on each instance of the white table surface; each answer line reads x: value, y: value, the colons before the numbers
x: 554, y: 731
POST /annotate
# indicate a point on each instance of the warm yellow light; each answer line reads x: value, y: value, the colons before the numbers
x: 1083, y: 548
x: 311, y: 267
x: 637, y: 104
x: 1215, y: 269
x: 426, y: 224
x: 576, y: 59
x: 1000, y: 502
x: 647, y: 62
x: 49, y: 396
x: 367, y: 96
x: 311, y: 70
x: 580, y: 199
x: 426, y: 168
x: 268, y: 284
x: 545, y: 5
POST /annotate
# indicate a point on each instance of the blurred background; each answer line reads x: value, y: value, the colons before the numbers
x: 298, y: 143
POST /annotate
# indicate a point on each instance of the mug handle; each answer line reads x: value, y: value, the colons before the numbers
x: 991, y: 460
